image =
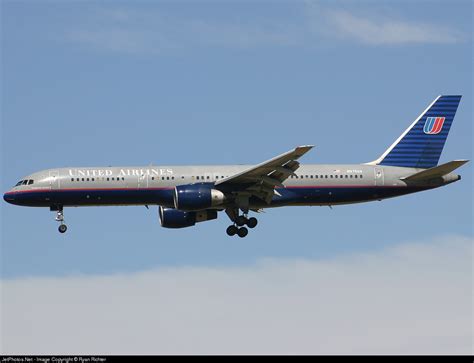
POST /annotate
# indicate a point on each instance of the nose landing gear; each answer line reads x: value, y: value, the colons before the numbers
x: 60, y: 218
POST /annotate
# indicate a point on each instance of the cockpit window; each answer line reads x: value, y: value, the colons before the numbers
x: 25, y: 182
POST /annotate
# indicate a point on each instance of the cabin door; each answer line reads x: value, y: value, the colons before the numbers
x: 54, y: 179
x: 143, y: 181
x: 379, y: 178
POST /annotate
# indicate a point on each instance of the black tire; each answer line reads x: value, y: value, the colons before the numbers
x: 243, y: 232
x: 252, y: 222
x: 240, y: 221
x: 232, y: 230
x: 62, y: 228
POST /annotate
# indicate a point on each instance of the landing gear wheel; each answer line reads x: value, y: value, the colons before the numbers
x: 240, y: 221
x: 62, y: 228
x: 252, y: 222
x: 243, y: 232
x: 232, y: 230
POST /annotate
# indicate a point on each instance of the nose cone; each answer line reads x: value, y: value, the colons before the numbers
x: 9, y: 197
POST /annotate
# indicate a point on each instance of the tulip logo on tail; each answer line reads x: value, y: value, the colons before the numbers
x: 433, y: 125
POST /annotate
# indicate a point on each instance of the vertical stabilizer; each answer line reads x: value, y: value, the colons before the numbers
x: 420, y: 146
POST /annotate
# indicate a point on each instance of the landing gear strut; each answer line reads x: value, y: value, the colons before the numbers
x: 239, y: 222
x: 60, y: 218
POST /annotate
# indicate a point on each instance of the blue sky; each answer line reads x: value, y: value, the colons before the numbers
x: 134, y: 83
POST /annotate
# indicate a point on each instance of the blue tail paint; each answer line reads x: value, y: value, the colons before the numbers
x: 420, y: 146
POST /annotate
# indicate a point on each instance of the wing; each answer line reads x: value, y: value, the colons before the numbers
x: 262, y: 179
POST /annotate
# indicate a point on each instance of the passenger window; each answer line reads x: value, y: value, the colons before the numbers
x: 361, y: 176
x: 172, y: 177
x: 167, y: 178
x: 87, y: 179
x: 346, y: 176
x: 152, y: 178
x: 162, y: 178
x: 311, y: 177
x: 351, y: 176
x: 332, y: 176
x: 316, y: 176
x: 72, y: 179
x: 108, y: 179
x: 197, y: 177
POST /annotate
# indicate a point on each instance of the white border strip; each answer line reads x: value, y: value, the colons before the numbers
x: 379, y: 160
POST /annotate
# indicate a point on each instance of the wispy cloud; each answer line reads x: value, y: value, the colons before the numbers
x: 131, y: 31
x: 137, y: 32
x: 415, y: 298
x: 385, y: 31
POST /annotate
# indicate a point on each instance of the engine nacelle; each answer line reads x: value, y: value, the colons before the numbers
x: 173, y: 218
x: 195, y: 197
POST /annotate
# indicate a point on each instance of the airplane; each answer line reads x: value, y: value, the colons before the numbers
x: 186, y: 195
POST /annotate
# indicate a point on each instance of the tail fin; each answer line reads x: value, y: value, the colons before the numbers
x: 420, y: 146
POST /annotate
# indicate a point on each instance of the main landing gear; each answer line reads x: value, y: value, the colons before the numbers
x: 60, y: 218
x: 239, y: 222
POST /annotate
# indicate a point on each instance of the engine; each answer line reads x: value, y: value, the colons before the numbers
x: 173, y: 218
x: 195, y: 197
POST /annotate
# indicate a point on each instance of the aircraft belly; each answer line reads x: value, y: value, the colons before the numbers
x: 96, y: 197
x: 329, y: 196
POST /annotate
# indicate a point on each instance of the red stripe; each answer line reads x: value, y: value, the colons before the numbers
x: 339, y: 186
x: 438, y: 125
x: 171, y: 188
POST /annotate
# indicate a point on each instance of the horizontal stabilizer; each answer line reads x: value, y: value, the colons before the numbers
x: 437, y: 171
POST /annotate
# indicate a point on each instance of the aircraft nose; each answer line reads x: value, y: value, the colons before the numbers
x: 9, y: 197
